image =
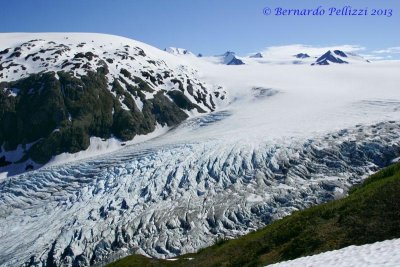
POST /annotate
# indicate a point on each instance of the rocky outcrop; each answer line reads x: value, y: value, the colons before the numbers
x: 330, y: 57
x: 56, y: 95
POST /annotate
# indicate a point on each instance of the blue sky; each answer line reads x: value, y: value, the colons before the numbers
x: 206, y: 26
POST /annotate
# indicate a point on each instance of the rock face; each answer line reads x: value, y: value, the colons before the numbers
x: 57, y: 93
x: 229, y: 58
x: 257, y: 55
x: 340, y: 53
x: 302, y: 55
x: 331, y: 57
x: 168, y: 200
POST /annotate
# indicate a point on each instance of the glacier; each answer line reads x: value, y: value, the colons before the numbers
x: 287, y: 137
x: 163, y: 199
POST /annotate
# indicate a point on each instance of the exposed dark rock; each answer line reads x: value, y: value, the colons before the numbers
x: 4, y: 162
x: 302, y: 55
x: 62, y: 114
x: 257, y: 55
x: 182, y: 101
x: 235, y: 61
x: 328, y: 58
x: 5, y: 51
x: 340, y: 53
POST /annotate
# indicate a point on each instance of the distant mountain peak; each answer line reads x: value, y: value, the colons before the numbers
x: 229, y: 53
x: 178, y: 51
x: 331, y: 57
x: 229, y: 58
x: 302, y: 55
x: 257, y: 55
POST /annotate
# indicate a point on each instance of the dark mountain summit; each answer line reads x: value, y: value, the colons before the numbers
x: 328, y: 58
x: 257, y: 55
x: 302, y: 55
x: 229, y: 58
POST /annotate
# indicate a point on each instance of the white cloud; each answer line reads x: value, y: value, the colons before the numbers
x: 376, y: 57
x: 390, y: 50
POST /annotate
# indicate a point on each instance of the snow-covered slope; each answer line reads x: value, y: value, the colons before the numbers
x: 80, y: 52
x: 137, y: 75
x: 287, y: 137
x: 383, y: 254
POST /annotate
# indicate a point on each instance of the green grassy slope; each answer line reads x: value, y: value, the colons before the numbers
x: 369, y: 214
